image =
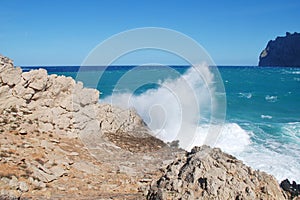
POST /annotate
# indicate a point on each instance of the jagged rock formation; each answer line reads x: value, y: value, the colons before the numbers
x: 283, y: 51
x: 58, y: 141
x: 56, y: 103
x: 207, y: 173
x: 292, y: 189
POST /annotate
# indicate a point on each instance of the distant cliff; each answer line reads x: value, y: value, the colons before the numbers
x: 283, y: 51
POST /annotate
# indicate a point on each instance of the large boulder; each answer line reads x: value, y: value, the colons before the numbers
x: 206, y: 173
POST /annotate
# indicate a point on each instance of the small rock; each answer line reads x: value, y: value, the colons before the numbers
x: 145, y: 180
x: 61, y: 188
x: 58, y: 171
x: 73, y: 154
x: 23, y: 132
x: 13, y: 183
x: 73, y: 189
x: 43, y: 176
x: 23, y: 187
x: 54, y: 141
x: 37, y: 184
x: 5, y: 180
x: 27, y: 145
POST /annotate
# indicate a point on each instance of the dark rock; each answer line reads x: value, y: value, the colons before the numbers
x: 292, y: 189
x: 203, y: 183
x: 283, y: 51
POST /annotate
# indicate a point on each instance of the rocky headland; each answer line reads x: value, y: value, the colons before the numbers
x: 58, y: 142
x: 283, y: 51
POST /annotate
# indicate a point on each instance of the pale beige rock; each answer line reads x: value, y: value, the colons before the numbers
x: 37, y: 79
x: 57, y: 111
x: 62, y: 121
x: 13, y: 183
x: 21, y: 91
x: 67, y: 103
x: 86, y: 167
x: 113, y: 119
x: 58, y: 171
x: 23, y: 186
x: 43, y: 176
x: 11, y: 76
x: 207, y: 173
x: 45, y: 127
x: 45, y: 115
x: 11, y: 101
x: 91, y: 96
x: 47, y: 145
x: 5, y: 91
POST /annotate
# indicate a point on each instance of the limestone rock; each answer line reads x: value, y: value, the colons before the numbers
x: 36, y: 79
x: 91, y: 96
x: 86, y: 167
x: 5, y: 63
x: 11, y: 76
x: 13, y: 183
x: 207, y: 173
x: 113, y: 119
x: 23, y: 187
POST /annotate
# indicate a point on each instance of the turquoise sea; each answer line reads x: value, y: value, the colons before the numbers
x: 262, y: 124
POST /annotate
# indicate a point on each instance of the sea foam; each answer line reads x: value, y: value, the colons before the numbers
x: 181, y: 107
x: 175, y: 110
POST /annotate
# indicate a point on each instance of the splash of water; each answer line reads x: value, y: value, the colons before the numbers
x: 175, y: 109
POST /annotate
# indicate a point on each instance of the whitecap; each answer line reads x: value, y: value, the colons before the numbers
x: 266, y: 117
x: 291, y: 72
x: 271, y: 99
x: 283, y: 164
x: 177, y: 106
x: 245, y: 95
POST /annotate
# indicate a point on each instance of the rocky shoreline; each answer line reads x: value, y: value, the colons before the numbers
x: 59, y: 142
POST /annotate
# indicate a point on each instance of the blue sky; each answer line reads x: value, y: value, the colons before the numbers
x: 63, y: 32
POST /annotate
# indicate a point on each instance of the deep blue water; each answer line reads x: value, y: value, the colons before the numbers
x: 262, y: 116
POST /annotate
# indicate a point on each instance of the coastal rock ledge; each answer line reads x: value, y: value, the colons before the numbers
x: 283, y: 52
x: 206, y: 173
x: 58, y: 142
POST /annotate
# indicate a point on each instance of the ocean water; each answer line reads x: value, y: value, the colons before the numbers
x: 262, y: 123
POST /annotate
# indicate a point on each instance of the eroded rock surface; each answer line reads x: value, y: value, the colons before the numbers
x: 58, y: 141
x: 207, y: 173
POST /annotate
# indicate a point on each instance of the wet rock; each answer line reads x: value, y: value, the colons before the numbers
x: 293, y: 189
